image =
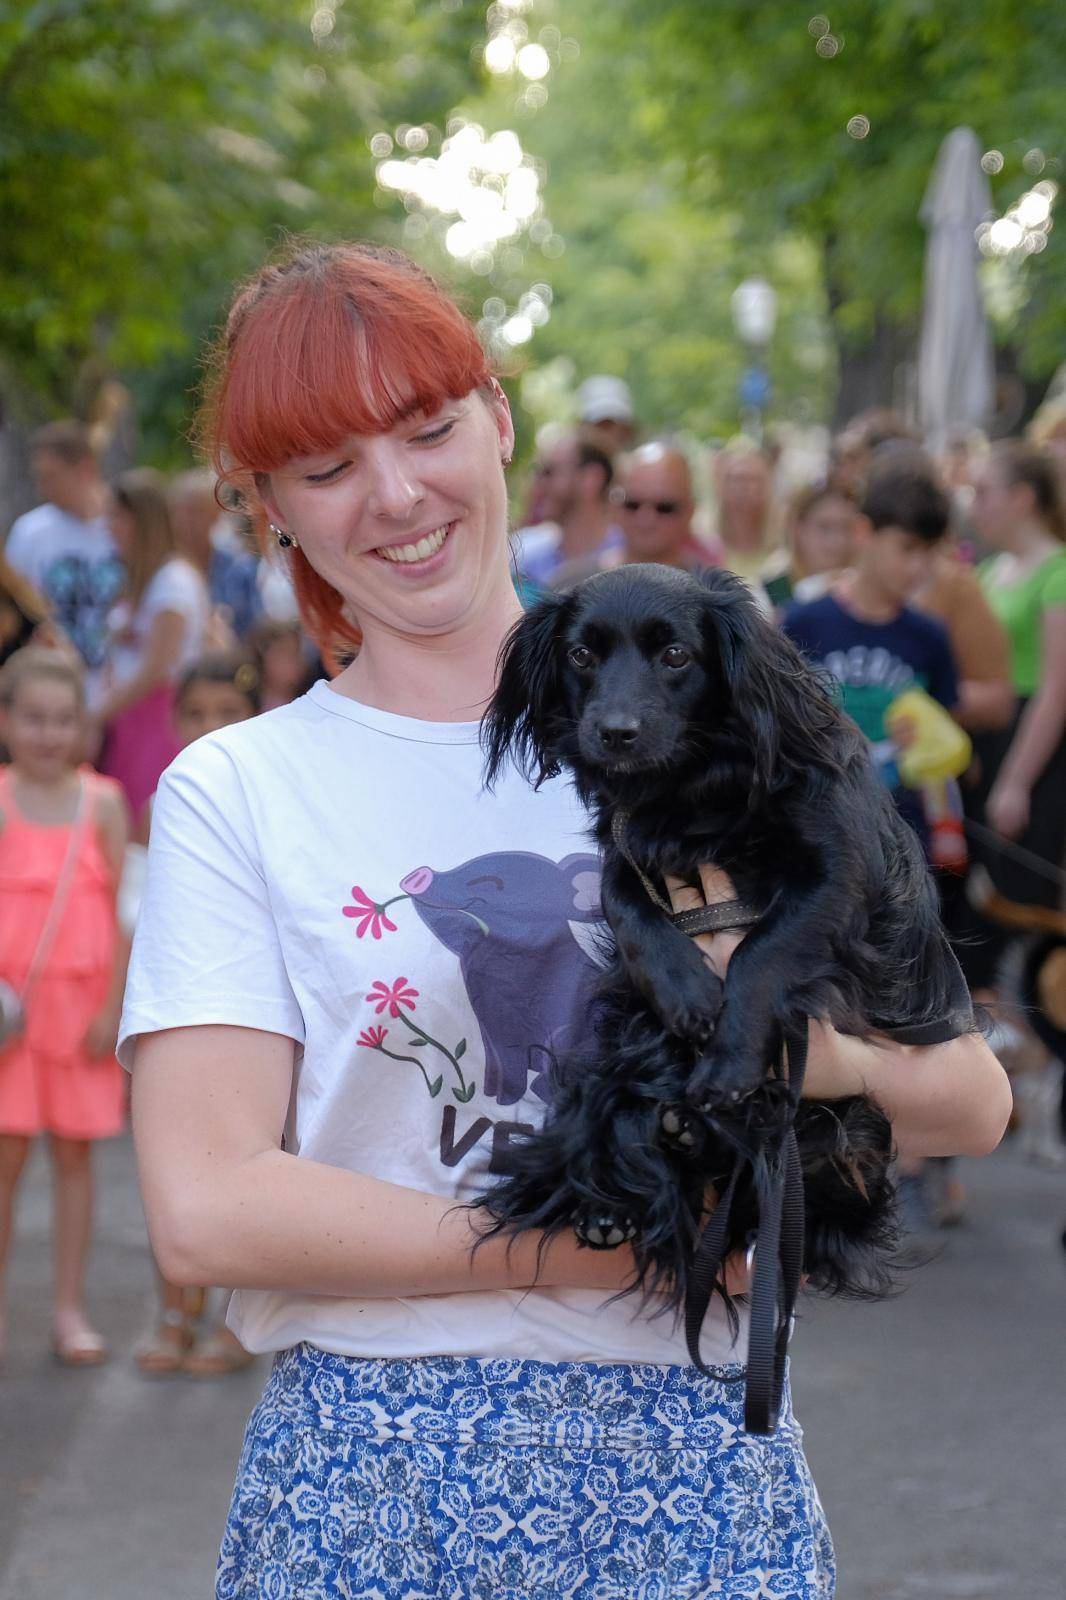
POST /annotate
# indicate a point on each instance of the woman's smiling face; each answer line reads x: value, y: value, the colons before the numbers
x: 409, y: 525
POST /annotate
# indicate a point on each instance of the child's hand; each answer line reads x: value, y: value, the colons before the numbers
x: 904, y: 731
x: 101, y: 1036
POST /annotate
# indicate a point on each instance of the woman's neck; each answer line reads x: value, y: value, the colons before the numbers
x: 446, y: 678
x: 1031, y: 543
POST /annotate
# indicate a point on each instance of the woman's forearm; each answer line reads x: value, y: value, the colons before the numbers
x: 1038, y: 734
x: 942, y: 1100
x: 148, y: 677
x: 278, y: 1221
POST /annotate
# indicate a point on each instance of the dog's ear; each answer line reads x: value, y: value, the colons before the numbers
x: 521, y: 712
x: 778, y: 704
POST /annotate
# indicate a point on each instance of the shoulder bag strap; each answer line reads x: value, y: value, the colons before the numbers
x: 60, y: 894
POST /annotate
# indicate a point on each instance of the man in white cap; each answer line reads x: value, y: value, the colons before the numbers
x: 605, y: 403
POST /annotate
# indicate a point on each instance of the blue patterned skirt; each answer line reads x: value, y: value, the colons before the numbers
x: 458, y: 1479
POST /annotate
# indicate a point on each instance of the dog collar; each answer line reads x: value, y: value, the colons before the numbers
x: 700, y: 919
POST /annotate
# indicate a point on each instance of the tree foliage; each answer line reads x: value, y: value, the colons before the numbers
x: 150, y: 152
x: 742, y: 88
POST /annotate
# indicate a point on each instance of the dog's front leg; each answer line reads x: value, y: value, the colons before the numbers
x: 789, y: 955
x: 663, y: 964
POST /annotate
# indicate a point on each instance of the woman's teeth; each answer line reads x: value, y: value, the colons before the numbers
x: 415, y: 552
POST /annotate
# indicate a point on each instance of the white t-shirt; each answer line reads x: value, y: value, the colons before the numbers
x: 339, y: 875
x: 75, y: 566
x: 176, y: 586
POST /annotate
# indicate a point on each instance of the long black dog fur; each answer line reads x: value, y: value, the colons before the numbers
x: 668, y: 697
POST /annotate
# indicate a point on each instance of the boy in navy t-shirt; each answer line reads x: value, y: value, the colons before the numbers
x: 864, y: 632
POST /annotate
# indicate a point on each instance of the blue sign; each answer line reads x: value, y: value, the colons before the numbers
x: 755, y: 388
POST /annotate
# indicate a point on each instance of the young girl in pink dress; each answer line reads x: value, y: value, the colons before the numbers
x: 63, y: 833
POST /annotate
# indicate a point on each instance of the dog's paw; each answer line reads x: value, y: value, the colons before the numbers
x: 689, y: 1005
x: 603, y: 1229
x: 678, y: 1128
x: 723, y: 1078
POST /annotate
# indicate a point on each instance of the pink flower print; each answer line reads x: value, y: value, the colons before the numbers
x: 400, y: 994
x: 369, y: 914
x: 373, y: 1038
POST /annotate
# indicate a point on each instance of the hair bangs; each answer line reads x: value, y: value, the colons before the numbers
x: 353, y: 351
x: 326, y: 342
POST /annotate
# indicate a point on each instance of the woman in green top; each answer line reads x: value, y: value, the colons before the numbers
x: 1018, y: 509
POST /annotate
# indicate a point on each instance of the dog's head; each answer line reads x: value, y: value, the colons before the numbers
x: 646, y: 669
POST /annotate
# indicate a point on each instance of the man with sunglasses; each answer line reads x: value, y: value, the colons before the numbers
x: 654, y: 505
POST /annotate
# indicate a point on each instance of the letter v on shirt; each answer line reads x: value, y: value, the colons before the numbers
x: 339, y: 875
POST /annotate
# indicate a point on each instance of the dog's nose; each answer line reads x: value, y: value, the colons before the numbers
x: 618, y: 732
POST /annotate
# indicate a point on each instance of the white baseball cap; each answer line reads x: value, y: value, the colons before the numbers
x: 605, y: 399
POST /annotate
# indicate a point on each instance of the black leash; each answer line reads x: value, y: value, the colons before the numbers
x: 1016, y: 852
x: 778, y: 1261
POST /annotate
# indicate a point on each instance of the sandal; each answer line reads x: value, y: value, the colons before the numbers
x: 85, y: 1348
x: 165, y: 1351
x: 218, y: 1355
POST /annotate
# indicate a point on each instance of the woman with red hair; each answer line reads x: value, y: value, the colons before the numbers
x: 352, y: 966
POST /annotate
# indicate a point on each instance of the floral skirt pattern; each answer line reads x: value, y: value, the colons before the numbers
x: 448, y: 1478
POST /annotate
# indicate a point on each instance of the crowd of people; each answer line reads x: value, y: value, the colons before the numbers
x: 138, y: 615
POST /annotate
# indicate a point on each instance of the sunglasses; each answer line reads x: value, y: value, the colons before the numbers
x: 662, y: 508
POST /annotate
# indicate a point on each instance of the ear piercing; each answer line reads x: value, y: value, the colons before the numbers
x: 285, y: 540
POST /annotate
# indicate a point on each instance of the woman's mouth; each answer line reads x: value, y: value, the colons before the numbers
x: 419, y: 552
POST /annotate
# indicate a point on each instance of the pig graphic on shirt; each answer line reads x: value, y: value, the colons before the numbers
x: 507, y: 917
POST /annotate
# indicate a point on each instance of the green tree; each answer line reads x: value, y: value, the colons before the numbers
x: 764, y: 99
x: 151, y: 152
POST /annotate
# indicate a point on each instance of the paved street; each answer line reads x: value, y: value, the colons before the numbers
x: 935, y: 1424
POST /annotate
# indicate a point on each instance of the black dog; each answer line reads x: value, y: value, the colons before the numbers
x: 697, y: 733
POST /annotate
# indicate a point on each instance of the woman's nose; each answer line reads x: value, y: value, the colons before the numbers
x: 394, y: 490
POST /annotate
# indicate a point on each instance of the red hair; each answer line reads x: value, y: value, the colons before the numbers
x: 331, y: 340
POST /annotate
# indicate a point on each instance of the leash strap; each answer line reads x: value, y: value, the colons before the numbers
x: 700, y: 919
x: 778, y: 1258
x: 60, y: 894
x: 1017, y: 852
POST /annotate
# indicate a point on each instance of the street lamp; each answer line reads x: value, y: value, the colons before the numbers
x: 754, y: 304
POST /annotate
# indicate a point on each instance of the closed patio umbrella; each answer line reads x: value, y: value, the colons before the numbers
x: 955, y: 374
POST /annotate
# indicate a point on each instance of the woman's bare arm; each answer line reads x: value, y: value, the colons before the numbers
x: 942, y: 1100
x: 162, y: 652
x: 1038, y: 733
x: 225, y: 1204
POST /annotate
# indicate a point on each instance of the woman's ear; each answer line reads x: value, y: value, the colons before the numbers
x: 521, y: 714
x: 501, y: 410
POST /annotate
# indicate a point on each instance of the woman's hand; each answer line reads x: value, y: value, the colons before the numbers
x: 942, y: 1100
x: 1007, y: 808
x: 101, y: 1036
x: 715, y: 887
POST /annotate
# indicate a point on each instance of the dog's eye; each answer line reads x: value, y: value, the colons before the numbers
x: 581, y: 657
x: 676, y: 656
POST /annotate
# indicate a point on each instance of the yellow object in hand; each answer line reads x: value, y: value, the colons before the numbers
x: 935, y: 747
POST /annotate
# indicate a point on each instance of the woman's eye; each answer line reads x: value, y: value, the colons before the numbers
x: 435, y: 433
x: 327, y: 477
x: 580, y: 657
x: 676, y: 656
